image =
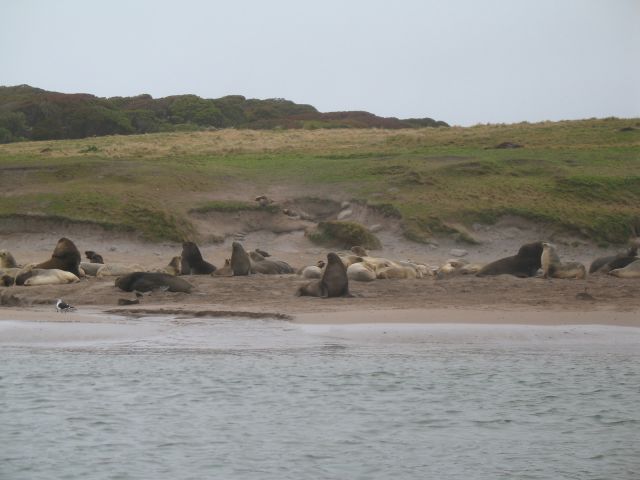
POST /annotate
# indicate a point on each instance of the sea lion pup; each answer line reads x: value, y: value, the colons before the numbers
x: 192, y: 262
x: 360, y: 272
x: 65, y: 257
x: 224, y: 271
x: 240, y: 261
x: 524, y: 264
x: 7, y: 260
x: 148, y: 281
x: 6, y: 280
x: 48, y: 276
x: 334, y: 281
x: 630, y: 271
x: 259, y: 264
x: 359, y: 251
x: 93, y: 257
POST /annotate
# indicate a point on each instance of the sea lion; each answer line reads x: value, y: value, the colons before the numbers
x: 359, y: 251
x: 7, y: 260
x: 42, y: 276
x: 630, y: 271
x: 91, y: 269
x: 361, y: 272
x: 224, y: 271
x: 147, y: 281
x: 259, y: 264
x: 65, y: 257
x: 311, y: 271
x: 116, y: 270
x: 451, y: 267
x: 567, y: 270
x: 620, y: 260
x: 192, y: 262
x: 240, y: 260
x: 175, y: 266
x: 6, y: 280
x: 262, y: 252
x: 396, y: 272
x: 549, y: 257
x: 93, y: 257
x: 524, y: 264
x: 334, y: 281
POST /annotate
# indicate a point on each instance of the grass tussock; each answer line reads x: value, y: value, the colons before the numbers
x: 344, y: 235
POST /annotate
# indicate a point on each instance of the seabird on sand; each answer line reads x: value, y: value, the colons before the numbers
x: 63, y: 307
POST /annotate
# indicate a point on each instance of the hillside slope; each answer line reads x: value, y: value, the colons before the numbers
x: 580, y: 176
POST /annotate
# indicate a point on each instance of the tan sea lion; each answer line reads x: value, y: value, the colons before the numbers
x: 620, y: 260
x: 359, y: 251
x: 49, y: 276
x: 524, y: 264
x: 334, y: 281
x: 192, y: 262
x: 224, y: 271
x: 148, y: 281
x: 396, y: 272
x: 91, y: 269
x: 568, y: 270
x: 361, y: 272
x: 7, y: 260
x: 240, y: 260
x: 549, y: 257
x: 630, y: 271
x: 65, y: 257
x: 311, y: 271
x: 117, y: 269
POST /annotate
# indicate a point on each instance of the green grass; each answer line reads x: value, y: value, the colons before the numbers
x: 583, y: 176
x: 229, y: 206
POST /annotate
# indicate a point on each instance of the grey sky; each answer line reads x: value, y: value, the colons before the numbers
x: 462, y: 61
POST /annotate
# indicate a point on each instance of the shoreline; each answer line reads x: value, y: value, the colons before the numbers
x: 390, y: 316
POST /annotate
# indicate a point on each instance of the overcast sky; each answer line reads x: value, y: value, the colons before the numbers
x: 462, y: 61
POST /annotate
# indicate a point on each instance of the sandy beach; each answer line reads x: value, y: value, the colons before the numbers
x: 599, y: 299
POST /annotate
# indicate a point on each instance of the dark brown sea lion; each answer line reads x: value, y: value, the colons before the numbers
x: 93, y: 257
x: 259, y: 264
x: 147, y: 281
x: 65, y: 257
x: 6, y: 280
x: 620, y: 260
x: 334, y: 281
x: 524, y: 264
x: 240, y: 261
x: 192, y: 262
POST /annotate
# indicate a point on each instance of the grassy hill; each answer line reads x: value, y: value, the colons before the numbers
x: 583, y: 176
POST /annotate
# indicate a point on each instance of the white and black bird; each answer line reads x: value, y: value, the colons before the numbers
x: 63, y: 307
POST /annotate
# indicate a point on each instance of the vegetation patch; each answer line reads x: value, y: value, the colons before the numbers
x: 339, y: 234
x: 230, y: 206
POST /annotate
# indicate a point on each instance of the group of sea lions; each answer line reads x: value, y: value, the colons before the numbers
x: 329, y: 279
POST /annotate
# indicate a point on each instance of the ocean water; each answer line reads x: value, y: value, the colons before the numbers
x: 164, y: 398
